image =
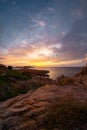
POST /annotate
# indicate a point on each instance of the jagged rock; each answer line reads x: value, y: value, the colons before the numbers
x: 78, y: 79
x: 62, y: 80
x: 81, y: 77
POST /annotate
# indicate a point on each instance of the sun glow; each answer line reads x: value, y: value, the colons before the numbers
x: 45, y: 52
x: 37, y: 56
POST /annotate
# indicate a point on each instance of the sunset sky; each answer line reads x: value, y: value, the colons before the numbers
x: 43, y: 32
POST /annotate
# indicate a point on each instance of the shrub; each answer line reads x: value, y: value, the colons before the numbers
x: 67, y: 115
x: 10, y: 68
x: 10, y: 93
x: 18, y: 75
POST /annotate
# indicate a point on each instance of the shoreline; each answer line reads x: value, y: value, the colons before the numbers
x: 19, y: 81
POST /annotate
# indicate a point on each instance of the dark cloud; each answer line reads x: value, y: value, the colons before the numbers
x: 75, y: 41
x: 2, y: 46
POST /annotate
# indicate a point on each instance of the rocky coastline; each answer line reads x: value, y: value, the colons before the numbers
x: 30, y: 100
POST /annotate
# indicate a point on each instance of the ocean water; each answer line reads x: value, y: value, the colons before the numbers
x: 55, y: 72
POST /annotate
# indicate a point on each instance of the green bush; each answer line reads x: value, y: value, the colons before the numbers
x: 3, y: 80
x: 18, y: 75
x: 11, y: 93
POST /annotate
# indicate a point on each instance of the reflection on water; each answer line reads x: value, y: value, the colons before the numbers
x: 57, y: 71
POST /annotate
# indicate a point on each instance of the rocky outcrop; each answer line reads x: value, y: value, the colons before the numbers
x: 63, y: 80
x: 2, y: 69
x: 80, y: 79
x: 34, y: 72
x: 27, y: 111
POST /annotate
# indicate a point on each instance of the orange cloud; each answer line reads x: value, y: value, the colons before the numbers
x: 37, y: 55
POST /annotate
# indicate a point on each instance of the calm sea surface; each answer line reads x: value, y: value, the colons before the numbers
x: 57, y: 71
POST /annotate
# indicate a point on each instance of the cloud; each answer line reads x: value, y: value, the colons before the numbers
x: 39, y: 55
x: 63, y: 49
x: 14, y: 3
x: 20, y: 51
x: 78, y: 13
x: 3, y: 46
x: 34, y: 54
x: 39, y: 22
x: 50, y: 9
x: 85, y: 59
x: 1, y: 58
x: 57, y: 45
x: 81, y: 10
x: 74, y: 43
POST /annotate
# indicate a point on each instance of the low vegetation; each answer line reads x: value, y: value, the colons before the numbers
x: 16, y: 74
x: 67, y: 114
x: 14, y: 82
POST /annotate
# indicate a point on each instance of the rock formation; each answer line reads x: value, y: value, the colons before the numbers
x: 36, y: 109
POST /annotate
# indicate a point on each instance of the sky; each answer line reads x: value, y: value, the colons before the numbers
x: 43, y: 32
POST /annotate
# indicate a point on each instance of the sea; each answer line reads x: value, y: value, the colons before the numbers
x: 55, y: 72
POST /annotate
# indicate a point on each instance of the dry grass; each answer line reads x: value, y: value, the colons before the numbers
x: 67, y: 114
